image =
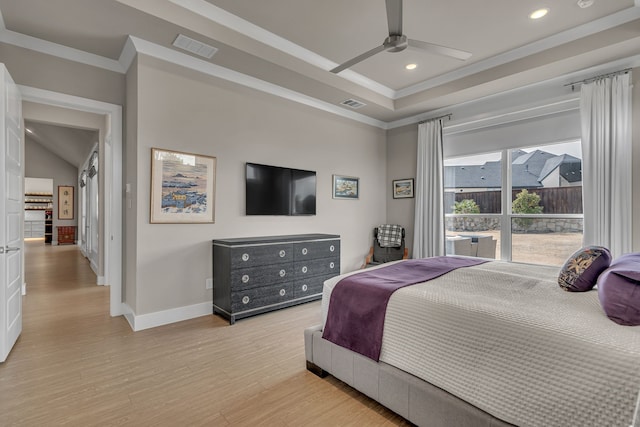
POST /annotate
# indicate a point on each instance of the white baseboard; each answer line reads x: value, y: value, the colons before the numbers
x: 100, y: 280
x: 165, y: 317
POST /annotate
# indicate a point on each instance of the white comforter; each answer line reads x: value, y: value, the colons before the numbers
x: 505, y: 338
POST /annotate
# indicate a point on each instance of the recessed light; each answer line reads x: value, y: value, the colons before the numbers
x: 28, y: 130
x: 585, y: 3
x: 539, y: 13
x: 411, y: 66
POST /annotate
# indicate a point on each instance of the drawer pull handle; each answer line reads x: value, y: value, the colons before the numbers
x: 304, y: 251
x: 245, y: 300
x: 304, y: 269
x: 282, y: 292
x: 332, y: 248
x: 282, y: 253
x: 245, y: 257
x: 304, y: 288
x: 245, y: 278
x: 331, y: 265
x: 282, y: 273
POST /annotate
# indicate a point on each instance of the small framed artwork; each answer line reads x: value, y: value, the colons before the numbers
x: 346, y: 187
x: 65, y: 202
x: 403, y: 188
x: 182, y: 187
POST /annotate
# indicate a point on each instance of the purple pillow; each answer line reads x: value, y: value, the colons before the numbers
x: 619, y: 290
x: 580, y: 272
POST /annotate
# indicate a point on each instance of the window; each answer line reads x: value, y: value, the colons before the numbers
x: 522, y: 204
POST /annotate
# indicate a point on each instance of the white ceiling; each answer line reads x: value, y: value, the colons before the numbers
x: 293, y: 43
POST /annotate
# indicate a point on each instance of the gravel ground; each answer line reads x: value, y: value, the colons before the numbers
x: 545, y: 248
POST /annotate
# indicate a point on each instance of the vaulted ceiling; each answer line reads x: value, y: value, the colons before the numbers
x: 291, y: 45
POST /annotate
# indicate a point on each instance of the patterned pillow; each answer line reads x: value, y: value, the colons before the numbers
x: 580, y: 272
x: 619, y: 290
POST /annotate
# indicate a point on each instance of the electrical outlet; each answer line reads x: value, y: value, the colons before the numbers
x: 208, y: 284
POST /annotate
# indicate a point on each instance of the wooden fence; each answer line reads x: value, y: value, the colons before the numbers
x: 554, y: 200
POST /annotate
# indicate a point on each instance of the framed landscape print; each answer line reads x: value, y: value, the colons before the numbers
x: 182, y: 187
x: 403, y: 188
x: 65, y: 202
x: 346, y: 187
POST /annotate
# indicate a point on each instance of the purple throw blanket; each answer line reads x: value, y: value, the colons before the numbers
x: 359, y: 302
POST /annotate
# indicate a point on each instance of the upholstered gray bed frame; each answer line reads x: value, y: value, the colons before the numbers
x: 416, y: 400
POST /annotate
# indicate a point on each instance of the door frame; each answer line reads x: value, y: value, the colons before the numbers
x: 112, y: 242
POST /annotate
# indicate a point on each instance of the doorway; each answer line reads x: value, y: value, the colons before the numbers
x: 111, y: 197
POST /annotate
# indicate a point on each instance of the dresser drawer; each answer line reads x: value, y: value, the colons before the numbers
x: 252, y: 256
x: 248, y: 299
x: 316, y: 267
x: 246, y: 278
x: 314, y: 250
x: 309, y: 286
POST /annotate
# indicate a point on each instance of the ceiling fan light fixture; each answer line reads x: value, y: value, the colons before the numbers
x: 537, y: 14
x: 411, y: 66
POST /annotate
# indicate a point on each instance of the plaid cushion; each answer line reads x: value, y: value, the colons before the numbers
x: 389, y: 235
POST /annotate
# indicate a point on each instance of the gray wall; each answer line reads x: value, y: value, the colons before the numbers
x: 199, y: 114
x: 42, y: 163
x: 402, y: 164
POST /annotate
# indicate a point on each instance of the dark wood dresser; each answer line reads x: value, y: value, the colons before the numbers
x: 253, y: 275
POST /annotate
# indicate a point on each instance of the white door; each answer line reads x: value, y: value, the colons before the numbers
x: 11, y: 213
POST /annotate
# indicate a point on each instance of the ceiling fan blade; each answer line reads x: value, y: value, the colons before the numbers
x: 394, y: 17
x: 441, y: 50
x: 357, y: 59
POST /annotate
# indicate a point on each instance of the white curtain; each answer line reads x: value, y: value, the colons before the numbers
x: 605, y: 110
x: 428, y: 237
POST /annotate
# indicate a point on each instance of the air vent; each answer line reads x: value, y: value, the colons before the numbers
x: 353, y: 103
x: 194, y: 46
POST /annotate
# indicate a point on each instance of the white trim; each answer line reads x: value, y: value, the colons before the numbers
x: 187, y: 61
x: 49, y: 48
x: 559, y: 82
x: 165, y: 317
x: 572, y: 103
x: 246, y: 28
x: 134, y: 45
x: 101, y: 281
x: 112, y: 244
x: 127, y: 55
x: 558, y: 39
x: 2, y: 26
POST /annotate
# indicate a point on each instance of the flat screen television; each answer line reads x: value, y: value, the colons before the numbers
x: 274, y: 190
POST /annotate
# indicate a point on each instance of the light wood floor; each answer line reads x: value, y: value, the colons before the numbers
x: 74, y: 365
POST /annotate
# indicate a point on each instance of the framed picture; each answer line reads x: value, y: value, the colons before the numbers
x: 182, y: 187
x: 403, y: 188
x: 65, y: 202
x: 346, y: 187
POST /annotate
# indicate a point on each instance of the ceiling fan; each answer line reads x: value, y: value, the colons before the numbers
x: 397, y: 42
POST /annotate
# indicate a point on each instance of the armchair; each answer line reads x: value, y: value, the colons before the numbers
x: 388, y: 245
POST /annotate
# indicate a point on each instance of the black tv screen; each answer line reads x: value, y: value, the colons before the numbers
x: 274, y: 190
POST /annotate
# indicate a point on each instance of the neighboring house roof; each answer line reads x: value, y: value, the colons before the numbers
x: 528, y: 171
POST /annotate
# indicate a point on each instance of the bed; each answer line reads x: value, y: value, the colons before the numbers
x: 494, y: 344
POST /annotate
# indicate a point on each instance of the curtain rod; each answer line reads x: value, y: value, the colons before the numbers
x: 601, y: 76
x: 448, y: 116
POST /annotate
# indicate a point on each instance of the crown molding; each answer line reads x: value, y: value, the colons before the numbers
x: 246, y: 28
x: 160, y: 52
x: 54, y: 49
x: 604, y: 23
